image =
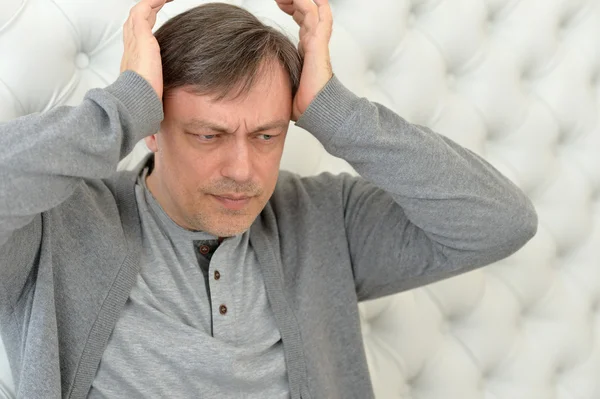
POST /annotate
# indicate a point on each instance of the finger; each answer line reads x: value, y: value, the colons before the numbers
x: 143, y: 17
x: 308, y: 9
x: 310, y: 22
x: 152, y: 18
x: 155, y: 3
x: 155, y: 9
x: 137, y: 18
x: 298, y: 17
x: 287, y: 9
x: 147, y: 9
x: 324, y: 10
x: 286, y: 6
x: 305, y: 6
x: 140, y: 11
x: 160, y: 6
x: 325, y: 20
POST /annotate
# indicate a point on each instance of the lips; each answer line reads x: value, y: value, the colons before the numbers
x: 232, y: 202
x: 234, y: 197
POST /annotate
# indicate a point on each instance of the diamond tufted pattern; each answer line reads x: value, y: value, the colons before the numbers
x: 516, y: 81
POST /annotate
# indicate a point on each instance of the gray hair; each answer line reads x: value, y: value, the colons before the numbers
x: 219, y: 49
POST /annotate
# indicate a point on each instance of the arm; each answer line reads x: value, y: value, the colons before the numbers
x: 426, y: 209
x: 43, y: 156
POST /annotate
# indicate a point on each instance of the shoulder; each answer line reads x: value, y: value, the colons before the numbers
x: 326, y: 186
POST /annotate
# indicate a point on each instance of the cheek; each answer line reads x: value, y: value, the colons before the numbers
x: 269, y: 180
x: 186, y: 181
x: 192, y: 169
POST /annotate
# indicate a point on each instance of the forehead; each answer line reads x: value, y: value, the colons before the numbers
x: 270, y: 94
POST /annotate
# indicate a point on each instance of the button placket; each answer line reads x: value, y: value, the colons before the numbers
x: 220, y: 297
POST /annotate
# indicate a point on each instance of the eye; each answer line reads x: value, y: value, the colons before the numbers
x: 204, y: 137
x: 266, y: 137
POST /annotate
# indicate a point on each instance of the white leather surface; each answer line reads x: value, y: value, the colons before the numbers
x: 513, y: 80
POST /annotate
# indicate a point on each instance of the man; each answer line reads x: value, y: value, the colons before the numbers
x: 205, y: 272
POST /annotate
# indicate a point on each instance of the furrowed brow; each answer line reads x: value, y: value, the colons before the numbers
x: 203, y: 124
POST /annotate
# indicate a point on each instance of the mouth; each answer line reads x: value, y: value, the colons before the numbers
x: 232, y: 202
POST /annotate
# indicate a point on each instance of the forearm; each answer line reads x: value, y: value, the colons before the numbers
x: 460, y: 201
x: 42, y: 156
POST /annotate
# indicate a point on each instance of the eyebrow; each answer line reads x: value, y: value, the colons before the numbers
x: 203, y: 124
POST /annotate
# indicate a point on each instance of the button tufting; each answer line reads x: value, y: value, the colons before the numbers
x: 82, y: 61
x: 526, y: 85
x: 371, y: 77
x: 451, y: 80
x: 509, y: 76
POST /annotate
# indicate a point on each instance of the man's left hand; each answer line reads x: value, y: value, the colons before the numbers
x: 315, y: 21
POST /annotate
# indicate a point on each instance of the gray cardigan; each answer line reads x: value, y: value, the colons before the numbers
x: 424, y: 209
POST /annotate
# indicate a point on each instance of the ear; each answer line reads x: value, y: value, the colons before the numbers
x: 152, y: 142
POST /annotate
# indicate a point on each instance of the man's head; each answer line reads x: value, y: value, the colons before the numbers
x: 229, y: 82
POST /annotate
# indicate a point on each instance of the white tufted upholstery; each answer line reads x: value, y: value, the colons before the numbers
x: 513, y: 80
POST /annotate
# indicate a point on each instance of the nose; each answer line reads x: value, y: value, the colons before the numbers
x: 237, y: 165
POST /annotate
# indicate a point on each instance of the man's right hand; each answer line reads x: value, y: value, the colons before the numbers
x: 142, y: 53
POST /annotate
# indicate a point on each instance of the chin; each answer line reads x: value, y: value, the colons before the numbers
x: 227, y: 223
x: 229, y: 229
x: 228, y: 232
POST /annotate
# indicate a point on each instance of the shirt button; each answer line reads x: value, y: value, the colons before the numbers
x: 223, y: 309
x: 217, y: 275
x: 204, y: 249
